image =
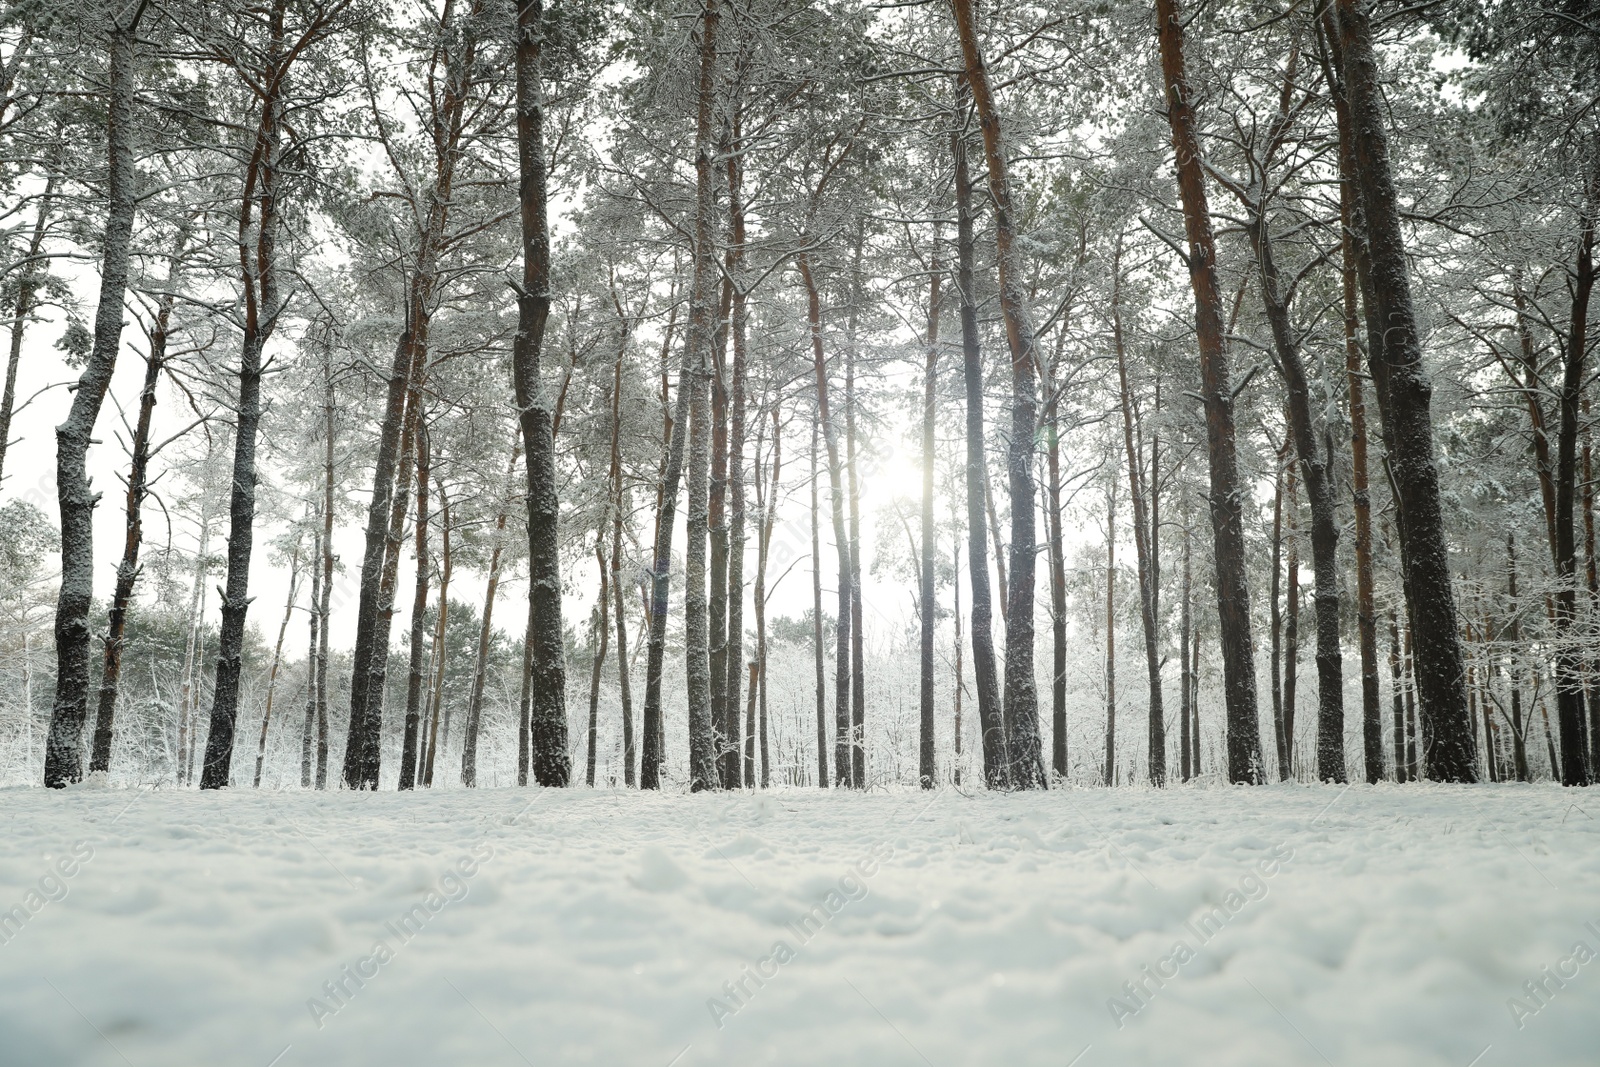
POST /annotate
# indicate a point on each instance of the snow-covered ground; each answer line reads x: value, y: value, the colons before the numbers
x: 1281, y: 925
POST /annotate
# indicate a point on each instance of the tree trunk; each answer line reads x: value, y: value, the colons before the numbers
x: 547, y: 708
x: 1227, y: 495
x: 602, y: 640
x: 128, y: 569
x: 737, y: 402
x: 1058, y: 578
x: 858, y: 713
x: 1316, y: 468
x: 1366, y: 610
x: 1111, y: 636
x: 277, y: 660
x: 816, y: 621
x: 724, y: 700
x: 926, y: 765
x: 63, y: 763
x: 1519, y: 733
x: 1189, y: 742
x: 1021, y: 708
x: 1404, y: 403
x: 961, y: 682
x: 1569, y: 666
x: 996, y: 763
x: 308, y: 733
x: 630, y: 755
x: 1291, y: 631
x: 702, y: 330
x: 325, y: 604
x: 1397, y: 699
x: 416, y: 668
x: 440, y: 634
x: 842, y: 761
x: 469, y: 740
x: 1144, y: 532
x: 258, y: 270
x: 1274, y: 599
x: 1592, y: 583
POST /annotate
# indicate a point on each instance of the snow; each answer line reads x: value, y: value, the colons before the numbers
x: 1373, y: 926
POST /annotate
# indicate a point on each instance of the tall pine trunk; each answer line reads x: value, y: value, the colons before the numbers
x: 128, y: 569
x: 630, y: 755
x: 602, y: 632
x: 996, y: 764
x: 63, y: 762
x: 697, y: 383
x: 733, y: 653
x: 547, y: 707
x: 1316, y: 468
x: 277, y: 661
x: 926, y: 766
x: 416, y: 667
x: 1227, y: 493
x: 843, y: 764
x: 258, y: 238
x: 1144, y: 532
x: 480, y: 671
x: 818, y: 654
x: 1110, y: 768
x: 1405, y: 398
x: 1020, y: 711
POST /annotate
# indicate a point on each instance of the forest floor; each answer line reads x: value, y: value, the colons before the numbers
x: 1368, y: 926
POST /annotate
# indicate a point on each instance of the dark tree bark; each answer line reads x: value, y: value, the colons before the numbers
x: 926, y: 764
x: 128, y: 569
x: 1227, y: 503
x: 63, y: 762
x: 1021, y: 708
x: 547, y: 708
x: 258, y: 238
x: 996, y: 764
x: 1569, y: 666
x: 697, y: 382
x: 1405, y: 398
